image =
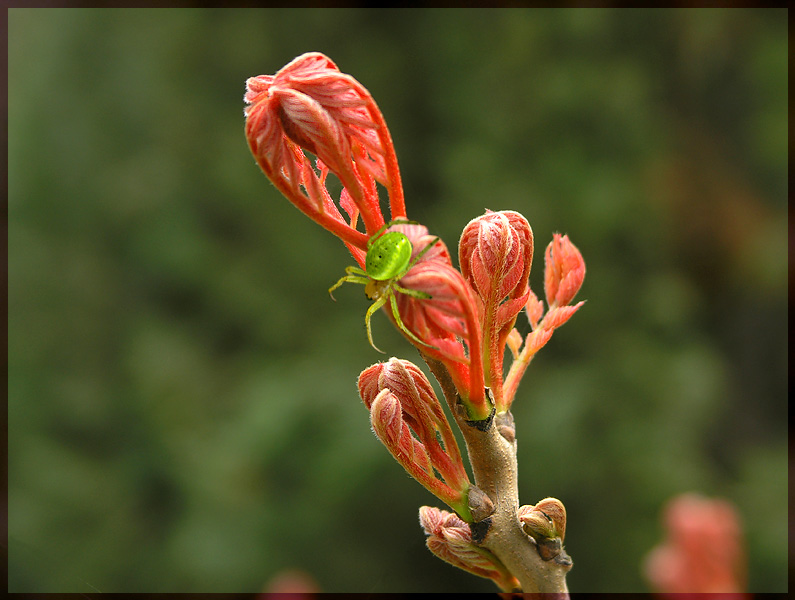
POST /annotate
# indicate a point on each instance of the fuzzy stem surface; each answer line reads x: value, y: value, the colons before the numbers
x: 492, y: 454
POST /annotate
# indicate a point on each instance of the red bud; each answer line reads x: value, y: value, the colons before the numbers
x: 564, y: 271
x: 402, y: 400
x: 495, y: 254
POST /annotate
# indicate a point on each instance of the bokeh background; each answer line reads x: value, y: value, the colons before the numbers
x: 182, y: 405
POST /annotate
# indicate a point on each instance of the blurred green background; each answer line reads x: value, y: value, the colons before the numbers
x: 182, y: 405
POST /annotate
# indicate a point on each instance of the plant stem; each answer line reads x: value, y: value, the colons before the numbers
x: 492, y: 455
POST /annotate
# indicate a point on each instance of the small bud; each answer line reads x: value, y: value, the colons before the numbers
x: 564, y: 271
x: 480, y: 504
x: 450, y: 539
x: 554, y: 509
x: 537, y: 525
x: 506, y: 426
x: 546, y: 524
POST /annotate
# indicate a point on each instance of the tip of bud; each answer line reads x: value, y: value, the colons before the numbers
x: 554, y: 510
x: 545, y: 519
x: 564, y: 271
x: 546, y: 524
x: 495, y: 253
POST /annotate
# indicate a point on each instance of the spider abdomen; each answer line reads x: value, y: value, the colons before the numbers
x: 388, y: 257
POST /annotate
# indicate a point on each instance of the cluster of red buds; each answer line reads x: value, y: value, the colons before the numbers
x: 465, y: 318
x: 309, y: 120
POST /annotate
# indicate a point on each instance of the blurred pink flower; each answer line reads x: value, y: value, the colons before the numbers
x: 290, y: 584
x: 703, y: 550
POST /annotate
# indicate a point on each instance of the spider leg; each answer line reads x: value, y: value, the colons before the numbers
x: 412, y: 293
x: 354, y: 275
x: 415, y: 293
x: 399, y: 321
x: 370, y: 311
x: 423, y: 251
x: 355, y: 271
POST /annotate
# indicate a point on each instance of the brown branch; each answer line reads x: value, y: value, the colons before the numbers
x: 492, y: 455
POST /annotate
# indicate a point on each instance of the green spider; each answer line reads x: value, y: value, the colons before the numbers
x: 388, y: 259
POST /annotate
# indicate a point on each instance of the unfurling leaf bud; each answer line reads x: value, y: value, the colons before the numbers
x: 564, y: 271
x: 310, y: 106
x: 495, y: 253
x: 563, y: 275
x: 401, y: 400
x: 450, y: 539
x: 448, y: 321
x: 386, y: 419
